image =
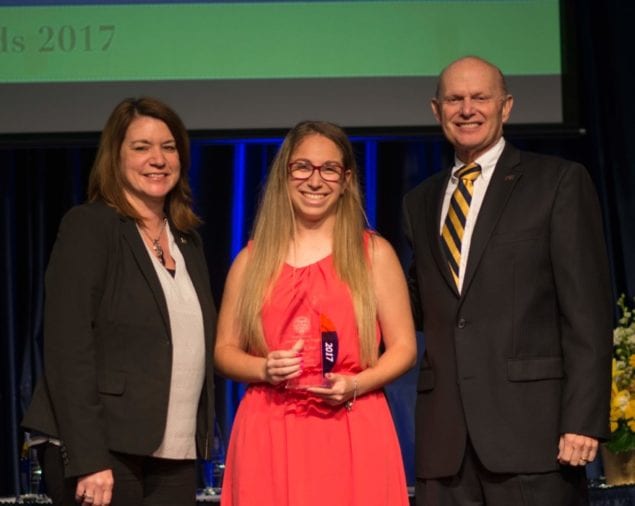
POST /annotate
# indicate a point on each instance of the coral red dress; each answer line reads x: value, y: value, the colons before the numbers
x: 287, y: 447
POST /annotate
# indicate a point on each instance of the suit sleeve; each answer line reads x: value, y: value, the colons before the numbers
x: 74, y: 286
x: 413, y: 285
x: 580, y: 269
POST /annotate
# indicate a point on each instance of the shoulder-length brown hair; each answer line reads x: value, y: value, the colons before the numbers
x: 274, y: 229
x: 106, y: 180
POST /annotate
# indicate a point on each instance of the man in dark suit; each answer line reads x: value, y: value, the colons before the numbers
x: 510, y: 285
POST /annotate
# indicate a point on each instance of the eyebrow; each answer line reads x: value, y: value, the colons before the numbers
x: 474, y: 94
x: 146, y: 141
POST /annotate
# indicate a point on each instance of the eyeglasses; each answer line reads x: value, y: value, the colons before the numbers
x: 303, y: 169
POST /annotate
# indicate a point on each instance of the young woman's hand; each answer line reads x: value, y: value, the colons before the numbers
x: 283, y: 365
x: 341, y: 388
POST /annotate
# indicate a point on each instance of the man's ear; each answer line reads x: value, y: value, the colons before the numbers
x: 436, y: 109
x: 507, y: 107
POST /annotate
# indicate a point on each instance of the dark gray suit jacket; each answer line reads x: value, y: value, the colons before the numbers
x: 523, y: 355
x: 107, y: 342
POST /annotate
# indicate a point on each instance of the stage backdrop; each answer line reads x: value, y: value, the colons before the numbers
x: 42, y: 177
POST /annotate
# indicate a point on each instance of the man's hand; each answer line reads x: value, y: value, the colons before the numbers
x: 576, y: 449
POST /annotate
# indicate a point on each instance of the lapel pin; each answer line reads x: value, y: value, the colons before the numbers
x: 510, y: 177
x: 183, y: 240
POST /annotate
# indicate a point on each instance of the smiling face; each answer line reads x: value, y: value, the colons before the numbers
x: 472, y: 106
x: 149, y: 162
x: 315, y: 200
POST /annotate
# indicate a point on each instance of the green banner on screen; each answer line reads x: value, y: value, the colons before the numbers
x: 273, y: 40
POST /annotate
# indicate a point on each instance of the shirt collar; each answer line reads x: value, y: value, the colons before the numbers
x: 487, y: 160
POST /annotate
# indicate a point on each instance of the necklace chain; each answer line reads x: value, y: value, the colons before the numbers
x: 156, y: 247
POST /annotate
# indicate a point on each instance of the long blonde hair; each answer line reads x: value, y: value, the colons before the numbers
x: 274, y: 230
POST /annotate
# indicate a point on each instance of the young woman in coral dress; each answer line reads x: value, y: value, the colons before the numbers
x: 306, y: 307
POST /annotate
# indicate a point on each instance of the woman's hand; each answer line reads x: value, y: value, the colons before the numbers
x: 283, y: 365
x: 95, y: 489
x: 341, y: 389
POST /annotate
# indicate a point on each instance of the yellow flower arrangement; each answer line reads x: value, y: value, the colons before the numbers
x: 623, y: 387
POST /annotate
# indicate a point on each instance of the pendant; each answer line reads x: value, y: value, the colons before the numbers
x: 159, y: 251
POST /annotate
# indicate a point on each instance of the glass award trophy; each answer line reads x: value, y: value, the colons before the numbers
x: 320, y: 348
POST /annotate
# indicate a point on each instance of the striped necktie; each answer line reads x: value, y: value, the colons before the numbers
x: 452, y: 233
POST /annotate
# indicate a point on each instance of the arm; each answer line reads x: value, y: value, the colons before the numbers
x: 395, y: 320
x: 230, y: 359
x: 584, y: 296
x: 74, y: 286
x: 413, y: 285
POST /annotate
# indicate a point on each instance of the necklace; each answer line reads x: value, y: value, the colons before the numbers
x: 156, y: 247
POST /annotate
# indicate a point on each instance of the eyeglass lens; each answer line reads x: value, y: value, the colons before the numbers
x: 303, y: 169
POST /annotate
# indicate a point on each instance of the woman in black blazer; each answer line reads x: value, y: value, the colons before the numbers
x: 126, y: 399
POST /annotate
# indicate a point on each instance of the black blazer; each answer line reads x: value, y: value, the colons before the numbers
x: 107, y: 342
x: 523, y: 355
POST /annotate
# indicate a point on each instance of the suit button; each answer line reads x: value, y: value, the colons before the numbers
x: 461, y: 323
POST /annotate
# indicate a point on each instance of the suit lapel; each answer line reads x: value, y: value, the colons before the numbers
x: 192, y: 263
x: 140, y: 253
x: 504, y: 179
x: 433, y: 214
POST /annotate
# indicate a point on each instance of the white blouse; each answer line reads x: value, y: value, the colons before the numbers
x: 188, y: 356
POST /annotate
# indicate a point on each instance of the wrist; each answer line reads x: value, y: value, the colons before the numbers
x: 264, y: 376
x: 349, y: 403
